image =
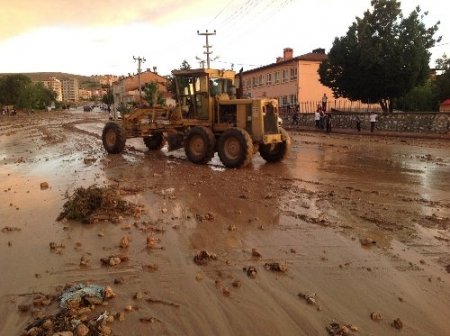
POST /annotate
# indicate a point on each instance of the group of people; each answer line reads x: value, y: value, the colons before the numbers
x: 322, y: 117
x: 8, y: 111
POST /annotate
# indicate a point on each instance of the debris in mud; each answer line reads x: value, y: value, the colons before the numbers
x: 310, y: 298
x: 448, y: 268
x: 150, y: 268
x: 376, y: 316
x: 88, y: 160
x: 250, y: 271
x: 335, y: 329
x: 76, y: 316
x: 152, y: 241
x: 113, y: 260
x: 367, y: 242
x: 255, y: 253
x: 236, y: 283
x: 203, y: 257
x: 84, y: 261
x: 44, y: 185
x: 55, y: 246
x: 276, y: 267
x: 10, y: 229
x: 232, y: 227
x: 206, y: 217
x: 124, y: 242
x: 91, y: 204
x: 397, y: 323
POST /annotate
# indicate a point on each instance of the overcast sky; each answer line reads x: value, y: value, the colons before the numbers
x: 101, y: 36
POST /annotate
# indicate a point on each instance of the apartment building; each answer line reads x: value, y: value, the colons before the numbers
x: 70, y: 89
x: 126, y: 89
x: 54, y: 84
x: 291, y: 80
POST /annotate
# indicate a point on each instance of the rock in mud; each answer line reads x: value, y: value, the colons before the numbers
x: 367, y: 242
x: 255, y: 253
x: 204, y: 257
x: 81, y: 330
x: 310, y: 298
x: 250, y: 271
x: 124, y: 242
x: 376, y: 316
x: 44, y: 185
x: 397, y: 323
x: 113, y: 260
x: 276, y: 267
x: 336, y: 329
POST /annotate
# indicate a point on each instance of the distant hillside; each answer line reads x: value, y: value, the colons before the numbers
x: 85, y: 82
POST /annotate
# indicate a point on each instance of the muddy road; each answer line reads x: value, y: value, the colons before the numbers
x: 346, y: 227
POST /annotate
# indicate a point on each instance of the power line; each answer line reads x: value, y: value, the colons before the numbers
x: 207, y: 46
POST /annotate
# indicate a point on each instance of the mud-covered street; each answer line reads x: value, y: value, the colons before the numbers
x: 350, y: 230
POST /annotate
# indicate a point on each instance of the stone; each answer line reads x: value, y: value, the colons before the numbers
x: 376, y: 316
x: 397, y: 323
x: 44, y: 185
x: 81, y: 330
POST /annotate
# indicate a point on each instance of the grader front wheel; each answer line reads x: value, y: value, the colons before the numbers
x: 113, y: 137
x: 278, y: 151
x: 235, y: 148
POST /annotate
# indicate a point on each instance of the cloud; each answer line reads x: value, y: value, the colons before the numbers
x: 21, y: 16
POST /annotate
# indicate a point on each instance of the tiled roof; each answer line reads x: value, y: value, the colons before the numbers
x: 446, y: 102
x: 312, y: 57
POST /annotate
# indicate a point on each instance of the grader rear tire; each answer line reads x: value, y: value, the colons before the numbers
x: 199, y: 145
x: 235, y: 148
x: 113, y: 138
x: 276, y: 152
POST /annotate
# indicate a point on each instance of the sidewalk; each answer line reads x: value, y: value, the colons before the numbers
x: 375, y: 133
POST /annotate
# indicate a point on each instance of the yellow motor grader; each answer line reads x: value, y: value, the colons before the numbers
x: 207, y: 118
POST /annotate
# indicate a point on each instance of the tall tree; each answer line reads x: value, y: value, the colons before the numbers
x: 12, y: 87
x: 442, y: 83
x: 383, y: 56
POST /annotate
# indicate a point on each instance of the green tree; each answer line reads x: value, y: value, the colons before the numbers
x: 171, y: 85
x: 421, y: 98
x: 383, y: 56
x: 442, y: 83
x: 152, y: 95
x: 12, y: 87
x: 108, y: 98
x: 35, y: 96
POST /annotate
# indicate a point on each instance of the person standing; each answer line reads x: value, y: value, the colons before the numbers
x: 373, y: 120
x: 358, y: 123
x: 295, y: 116
x: 317, y: 117
x: 324, y: 102
x: 327, y: 118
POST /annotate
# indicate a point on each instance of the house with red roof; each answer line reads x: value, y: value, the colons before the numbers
x: 445, y: 106
x: 294, y: 80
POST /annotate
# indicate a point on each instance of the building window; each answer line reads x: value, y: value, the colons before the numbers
x: 277, y: 77
x: 269, y: 79
x: 284, y: 100
x: 260, y: 80
x: 293, y: 100
x: 248, y: 84
x: 254, y: 81
x: 293, y: 73
x: 285, y: 76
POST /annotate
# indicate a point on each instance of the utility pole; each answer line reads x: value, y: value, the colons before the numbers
x: 139, y: 60
x: 207, y: 46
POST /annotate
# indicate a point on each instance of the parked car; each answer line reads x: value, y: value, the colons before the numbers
x: 87, y: 108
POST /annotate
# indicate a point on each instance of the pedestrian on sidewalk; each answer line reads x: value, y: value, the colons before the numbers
x: 358, y: 123
x: 296, y: 115
x: 317, y: 117
x: 327, y: 120
x: 373, y: 120
x: 324, y: 102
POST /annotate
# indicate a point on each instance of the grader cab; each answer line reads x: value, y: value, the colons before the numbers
x: 208, y: 118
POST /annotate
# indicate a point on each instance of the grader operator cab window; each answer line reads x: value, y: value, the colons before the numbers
x: 221, y: 87
x: 193, y: 96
